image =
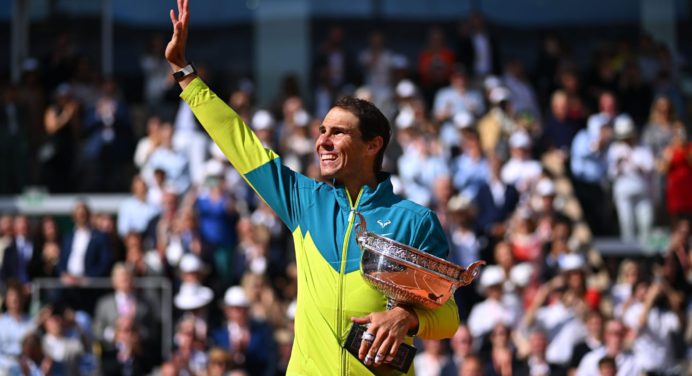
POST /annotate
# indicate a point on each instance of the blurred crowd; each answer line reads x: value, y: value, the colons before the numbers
x: 524, y: 167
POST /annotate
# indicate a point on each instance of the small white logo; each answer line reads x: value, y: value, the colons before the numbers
x: 385, y: 223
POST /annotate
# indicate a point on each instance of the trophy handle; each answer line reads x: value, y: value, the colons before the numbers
x: 471, y: 272
x: 361, y: 226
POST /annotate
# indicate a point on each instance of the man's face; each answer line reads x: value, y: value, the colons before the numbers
x: 340, y: 147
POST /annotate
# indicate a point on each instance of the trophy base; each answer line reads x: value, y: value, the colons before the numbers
x: 404, y: 355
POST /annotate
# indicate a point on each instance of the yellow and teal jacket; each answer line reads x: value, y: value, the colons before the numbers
x: 321, y: 218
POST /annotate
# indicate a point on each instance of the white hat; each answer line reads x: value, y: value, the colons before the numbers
x: 623, y: 127
x: 405, y: 119
x: 235, y: 297
x: 520, y: 140
x: 545, y: 187
x: 492, y: 275
x: 193, y: 296
x: 571, y: 261
x: 213, y: 167
x: 520, y: 274
x: 262, y: 120
x: 459, y: 202
x: 491, y: 82
x: 405, y: 89
x: 190, y: 263
x: 301, y: 118
x: 498, y: 94
x: 463, y: 120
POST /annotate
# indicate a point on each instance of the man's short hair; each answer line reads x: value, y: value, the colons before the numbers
x: 371, y: 123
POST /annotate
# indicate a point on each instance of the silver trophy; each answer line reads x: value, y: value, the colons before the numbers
x: 408, y: 277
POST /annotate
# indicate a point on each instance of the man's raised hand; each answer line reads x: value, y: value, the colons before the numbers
x: 175, y: 50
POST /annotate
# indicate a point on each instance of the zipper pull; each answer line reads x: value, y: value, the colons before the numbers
x: 350, y: 215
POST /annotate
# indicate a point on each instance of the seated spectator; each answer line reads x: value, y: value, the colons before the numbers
x: 15, y: 325
x: 521, y: 170
x: 470, y: 170
x: 32, y: 360
x: 536, y: 363
x: 496, y: 201
x: 614, y: 347
x: 627, y: 277
x: 523, y: 237
x: 189, y: 355
x: 496, y: 126
x: 126, y: 355
x: 494, y: 309
x: 65, y: 351
x: 250, y: 342
x: 192, y: 297
x: 17, y: 256
x: 432, y: 359
x: 471, y: 366
x: 144, y: 263
x: 498, y: 352
x: 46, y: 254
x: 171, y: 161
x: 135, y: 212
x: 124, y: 302
x: 85, y: 252
x: 462, y: 347
x: 592, y: 341
x: 559, y: 130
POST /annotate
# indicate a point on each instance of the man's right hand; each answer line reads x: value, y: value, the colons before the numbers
x: 175, y: 50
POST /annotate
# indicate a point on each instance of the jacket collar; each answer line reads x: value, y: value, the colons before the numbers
x: 369, y: 197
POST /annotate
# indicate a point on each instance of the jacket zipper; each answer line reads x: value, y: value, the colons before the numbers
x: 342, y: 269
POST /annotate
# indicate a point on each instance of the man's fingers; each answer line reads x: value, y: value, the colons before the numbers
x: 174, y: 19
x: 383, y: 351
x: 365, y: 344
x: 375, y: 348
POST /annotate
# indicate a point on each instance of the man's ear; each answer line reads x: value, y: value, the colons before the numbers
x: 375, y: 145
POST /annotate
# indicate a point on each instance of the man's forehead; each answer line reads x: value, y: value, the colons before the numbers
x: 338, y: 117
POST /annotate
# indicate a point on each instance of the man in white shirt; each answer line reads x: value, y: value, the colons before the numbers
x: 135, y: 212
x: 614, y: 338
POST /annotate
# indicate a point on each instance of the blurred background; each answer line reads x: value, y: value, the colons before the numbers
x: 551, y: 139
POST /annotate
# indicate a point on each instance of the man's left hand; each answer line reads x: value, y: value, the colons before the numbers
x: 389, y: 328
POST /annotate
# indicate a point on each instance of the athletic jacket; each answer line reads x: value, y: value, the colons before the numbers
x: 322, y: 218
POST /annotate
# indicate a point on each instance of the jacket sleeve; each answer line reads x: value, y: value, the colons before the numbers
x: 438, y: 323
x: 276, y: 184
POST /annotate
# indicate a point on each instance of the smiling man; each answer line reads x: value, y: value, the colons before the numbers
x: 331, y: 292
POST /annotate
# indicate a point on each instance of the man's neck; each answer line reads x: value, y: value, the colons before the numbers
x: 354, y: 188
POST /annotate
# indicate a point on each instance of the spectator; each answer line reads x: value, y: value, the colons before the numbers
x: 471, y: 366
x: 456, y: 98
x: 108, y: 142
x: 135, y: 212
x: 435, y: 64
x: 219, y: 362
x: 486, y: 56
x: 614, y: 340
x: 62, y: 122
x: 85, y: 252
x: 174, y: 163
x: 522, y: 93
x: 630, y: 166
x: 65, y: 351
x: 627, y: 276
x: 588, y: 165
x: 432, y: 360
x: 216, y: 210
x: 592, y: 341
x: 249, y: 341
x: 32, y: 360
x: 497, y: 352
x: 376, y: 62
x: 193, y: 298
x: 494, y: 309
x: 14, y: 142
x: 46, y: 254
x: 15, y: 326
x: 189, y: 355
x: 559, y: 130
x: 462, y: 347
x: 674, y: 164
x: 149, y: 143
x: 124, y: 302
x: 521, y: 170
x: 125, y: 356
x: 536, y: 363
x: 654, y: 319
x: 496, y: 202
x: 156, y: 74
x: 17, y: 256
x: 470, y: 170
x: 496, y: 126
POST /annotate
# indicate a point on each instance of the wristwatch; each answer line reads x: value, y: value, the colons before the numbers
x: 184, y: 72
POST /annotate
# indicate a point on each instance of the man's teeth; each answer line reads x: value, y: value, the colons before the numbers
x: 328, y: 157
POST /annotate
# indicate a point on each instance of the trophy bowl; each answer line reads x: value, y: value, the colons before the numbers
x: 406, y: 275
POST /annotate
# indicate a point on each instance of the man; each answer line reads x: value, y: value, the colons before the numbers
x: 16, y: 258
x: 613, y: 346
x: 332, y: 294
